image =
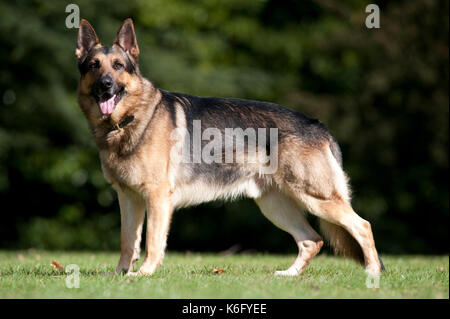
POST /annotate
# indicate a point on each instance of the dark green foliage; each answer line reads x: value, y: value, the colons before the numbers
x: 382, y: 92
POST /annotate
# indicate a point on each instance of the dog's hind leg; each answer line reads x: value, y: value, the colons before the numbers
x: 340, y: 212
x: 132, y: 212
x: 286, y: 214
x: 320, y: 184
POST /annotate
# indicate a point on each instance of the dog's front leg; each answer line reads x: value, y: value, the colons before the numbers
x: 159, y: 213
x: 132, y: 212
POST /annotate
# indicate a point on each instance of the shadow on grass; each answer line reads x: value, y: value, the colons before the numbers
x: 49, y: 273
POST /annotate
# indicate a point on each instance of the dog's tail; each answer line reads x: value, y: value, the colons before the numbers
x: 341, y: 241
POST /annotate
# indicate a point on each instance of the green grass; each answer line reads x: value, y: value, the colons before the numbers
x: 28, y: 274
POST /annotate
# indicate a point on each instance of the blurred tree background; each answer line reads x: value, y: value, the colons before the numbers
x: 382, y: 92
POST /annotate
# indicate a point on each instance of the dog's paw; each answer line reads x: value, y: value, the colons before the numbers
x: 133, y: 273
x: 289, y: 272
x: 139, y: 273
x: 121, y: 271
x: 373, y: 270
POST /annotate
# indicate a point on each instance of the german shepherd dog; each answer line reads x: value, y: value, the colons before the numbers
x: 133, y: 124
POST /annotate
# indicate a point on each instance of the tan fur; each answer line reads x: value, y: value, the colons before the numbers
x: 139, y: 160
x: 132, y: 211
x: 285, y: 213
x: 318, y: 183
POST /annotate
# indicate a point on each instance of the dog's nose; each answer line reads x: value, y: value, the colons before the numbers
x: 106, y: 83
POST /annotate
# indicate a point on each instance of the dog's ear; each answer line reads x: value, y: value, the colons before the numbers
x: 87, y: 39
x: 126, y: 39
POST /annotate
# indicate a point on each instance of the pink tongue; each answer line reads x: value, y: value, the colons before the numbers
x: 107, y: 107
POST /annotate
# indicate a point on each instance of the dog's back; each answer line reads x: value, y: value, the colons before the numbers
x: 197, y: 115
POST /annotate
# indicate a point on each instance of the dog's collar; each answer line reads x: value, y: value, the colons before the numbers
x: 123, y: 123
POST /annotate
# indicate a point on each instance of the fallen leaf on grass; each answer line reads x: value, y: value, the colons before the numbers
x: 218, y: 271
x: 57, y: 265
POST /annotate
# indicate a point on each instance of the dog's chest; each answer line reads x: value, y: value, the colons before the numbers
x: 120, y: 171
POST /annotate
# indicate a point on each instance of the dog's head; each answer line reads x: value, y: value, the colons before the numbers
x: 109, y: 74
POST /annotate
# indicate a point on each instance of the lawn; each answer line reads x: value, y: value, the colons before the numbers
x: 28, y: 274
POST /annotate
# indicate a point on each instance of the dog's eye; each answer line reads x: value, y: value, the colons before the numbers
x: 118, y: 66
x: 94, y: 65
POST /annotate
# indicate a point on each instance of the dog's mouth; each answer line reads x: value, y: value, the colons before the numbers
x: 108, y: 102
